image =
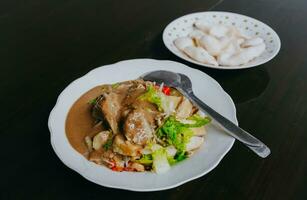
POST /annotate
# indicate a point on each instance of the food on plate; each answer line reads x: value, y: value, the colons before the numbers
x: 200, y: 54
x: 135, y: 126
x: 219, y: 45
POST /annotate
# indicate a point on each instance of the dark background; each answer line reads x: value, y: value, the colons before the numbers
x: 46, y: 44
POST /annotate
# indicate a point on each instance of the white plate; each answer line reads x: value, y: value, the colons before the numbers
x: 216, y: 145
x: 247, y: 25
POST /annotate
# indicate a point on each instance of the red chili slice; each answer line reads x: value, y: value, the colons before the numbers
x: 166, y: 90
x: 117, y: 169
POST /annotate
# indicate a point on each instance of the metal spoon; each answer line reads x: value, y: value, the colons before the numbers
x: 183, y: 84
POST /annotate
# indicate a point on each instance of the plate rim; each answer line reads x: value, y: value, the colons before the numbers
x: 80, y: 172
x: 222, y: 67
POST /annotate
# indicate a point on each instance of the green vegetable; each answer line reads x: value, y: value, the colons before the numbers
x: 171, y: 160
x: 108, y: 144
x: 181, y: 156
x: 160, y: 161
x: 177, y: 158
x: 152, y: 96
x: 178, y: 134
x: 198, y: 121
x: 92, y: 101
x: 175, y: 133
x: 115, y: 85
x: 145, y: 159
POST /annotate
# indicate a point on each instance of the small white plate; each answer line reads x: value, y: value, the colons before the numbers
x: 184, y: 25
x: 216, y: 145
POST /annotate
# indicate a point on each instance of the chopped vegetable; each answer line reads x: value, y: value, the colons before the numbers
x: 175, y: 133
x: 100, y: 139
x: 198, y: 121
x: 180, y: 157
x: 152, y: 95
x: 108, y: 144
x: 146, y: 159
x: 160, y: 161
x: 169, y: 104
x: 92, y: 101
x: 157, y: 150
x: 171, y: 151
x: 178, y: 134
x: 184, y: 109
x: 115, y: 85
x: 199, y: 131
x: 125, y: 147
x: 171, y: 160
x: 161, y: 98
x: 194, y: 143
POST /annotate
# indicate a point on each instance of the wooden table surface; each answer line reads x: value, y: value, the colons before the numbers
x: 44, y: 45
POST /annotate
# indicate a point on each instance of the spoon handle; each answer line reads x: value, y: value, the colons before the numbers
x: 250, y: 141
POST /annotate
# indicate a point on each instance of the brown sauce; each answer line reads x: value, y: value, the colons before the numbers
x: 79, y: 121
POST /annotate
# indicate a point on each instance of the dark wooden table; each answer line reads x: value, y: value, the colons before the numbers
x: 44, y: 45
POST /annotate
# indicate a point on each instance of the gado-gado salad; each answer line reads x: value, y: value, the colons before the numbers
x: 135, y: 126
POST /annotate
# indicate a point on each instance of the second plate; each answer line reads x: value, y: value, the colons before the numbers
x: 184, y: 25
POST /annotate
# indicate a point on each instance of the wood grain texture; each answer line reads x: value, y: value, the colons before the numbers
x: 44, y: 45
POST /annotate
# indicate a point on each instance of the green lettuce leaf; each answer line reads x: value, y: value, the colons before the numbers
x: 178, y: 134
x: 152, y: 95
x: 160, y: 161
x: 146, y: 159
x: 175, y: 133
x: 198, y: 121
